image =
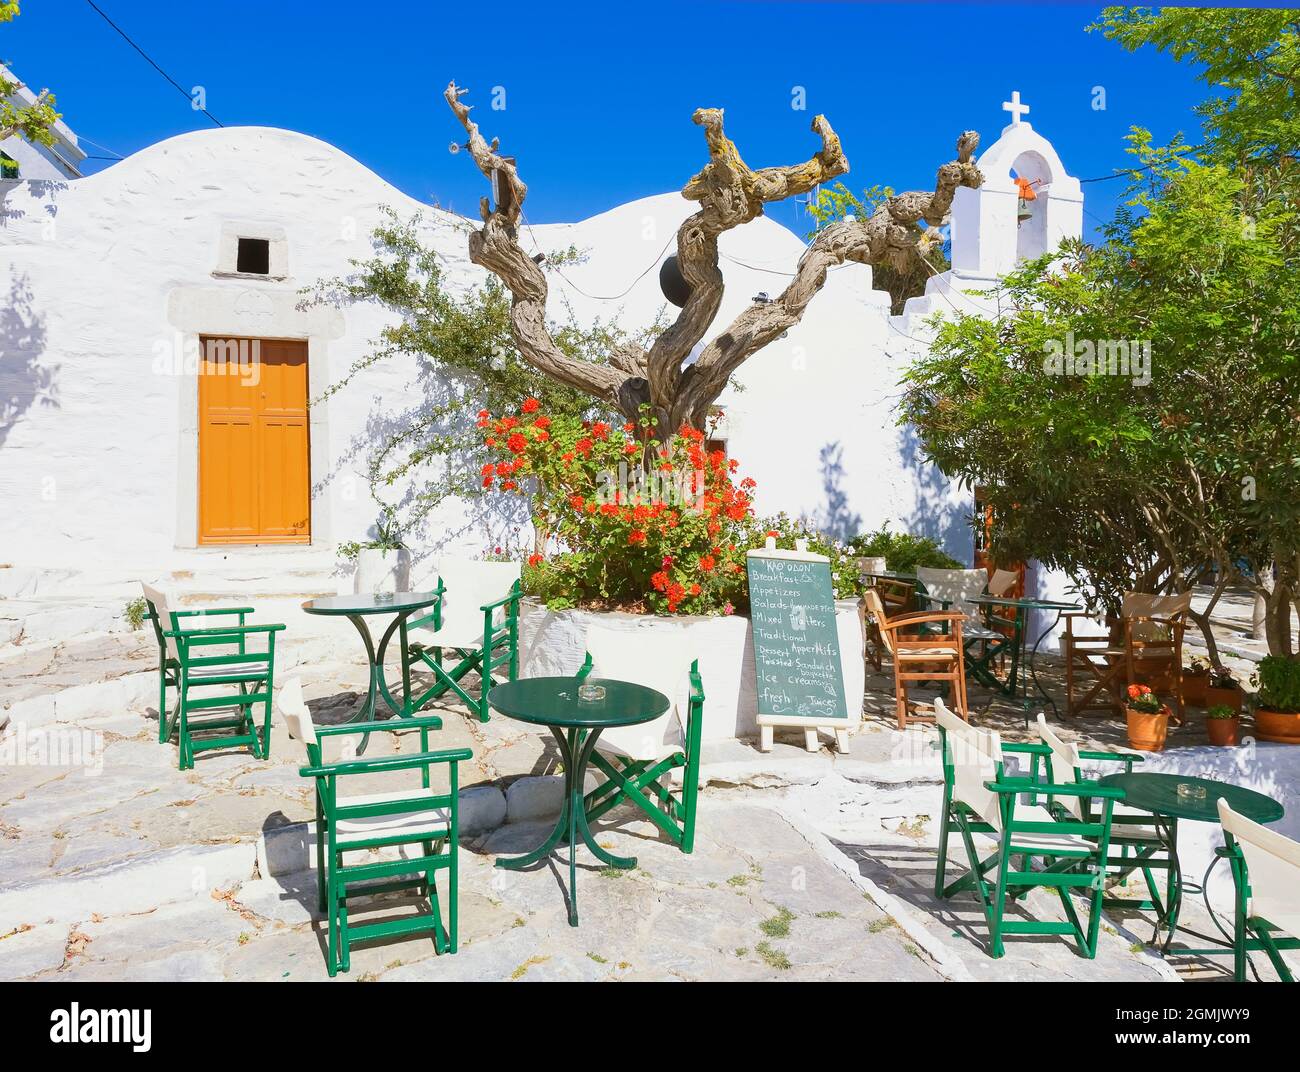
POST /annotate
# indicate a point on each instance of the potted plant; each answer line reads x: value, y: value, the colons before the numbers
x: 383, y: 562
x: 1221, y: 724
x: 1222, y: 687
x: 1196, y: 676
x: 1277, y: 710
x: 1148, y: 719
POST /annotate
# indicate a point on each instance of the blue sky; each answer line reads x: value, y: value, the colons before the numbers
x: 599, y: 96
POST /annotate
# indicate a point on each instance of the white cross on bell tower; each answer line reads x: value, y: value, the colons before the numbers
x: 1015, y: 108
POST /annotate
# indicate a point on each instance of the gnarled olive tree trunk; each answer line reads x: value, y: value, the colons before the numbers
x: 729, y: 194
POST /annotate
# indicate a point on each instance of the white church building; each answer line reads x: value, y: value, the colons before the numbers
x: 118, y: 459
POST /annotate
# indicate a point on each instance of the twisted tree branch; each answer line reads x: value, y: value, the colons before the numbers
x: 890, y: 235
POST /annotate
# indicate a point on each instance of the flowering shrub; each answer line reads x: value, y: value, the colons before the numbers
x: 623, y: 520
x: 627, y: 522
x: 1141, y: 698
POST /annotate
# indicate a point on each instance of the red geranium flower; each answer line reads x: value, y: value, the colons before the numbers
x: 531, y: 405
x: 707, y: 563
x: 535, y: 558
x: 636, y: 536
x: 517, y: 443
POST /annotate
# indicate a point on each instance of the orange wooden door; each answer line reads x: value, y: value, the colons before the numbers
x: 254, y: 473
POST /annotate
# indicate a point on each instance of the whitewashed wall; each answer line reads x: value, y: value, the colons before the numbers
x: 102, y: 277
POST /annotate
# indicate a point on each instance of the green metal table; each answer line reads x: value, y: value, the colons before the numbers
x: 553, y: 702
x: 1159, y: 794
x: 357, y: 608
x: 1028, y: 656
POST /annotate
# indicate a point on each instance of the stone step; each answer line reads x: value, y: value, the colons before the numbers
x: 136, y: 885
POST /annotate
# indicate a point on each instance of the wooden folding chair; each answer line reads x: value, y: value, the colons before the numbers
x: 1133, y: 831
x: 921, y: 657
x: 1144, y: 648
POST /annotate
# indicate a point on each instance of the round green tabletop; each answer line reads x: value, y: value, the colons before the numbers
x: 370, y: 603
x: 1158, y: 793
x: 553, y: 701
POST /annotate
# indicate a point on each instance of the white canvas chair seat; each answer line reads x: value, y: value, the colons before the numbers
x: 657, y: 658
x: 980, y: 632
x: 227, y: 672
x: 433, y: 820
x: 1037, y: 813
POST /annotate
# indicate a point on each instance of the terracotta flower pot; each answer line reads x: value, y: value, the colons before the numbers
x: 1146, y: 731
x: 1227, y: 697
x: 1281, y: 727
x: 1194, y: 686
x: 1222, y: 731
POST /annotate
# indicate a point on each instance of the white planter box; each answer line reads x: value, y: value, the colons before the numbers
x: 383, y: 571
x: 554, y: 642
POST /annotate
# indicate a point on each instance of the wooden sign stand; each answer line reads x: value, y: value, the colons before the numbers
x: 839, y: 726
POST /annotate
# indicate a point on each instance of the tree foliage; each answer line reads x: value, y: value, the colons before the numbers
x: 928, y: 257
x: 1125, y: 484
x: 35, y: 122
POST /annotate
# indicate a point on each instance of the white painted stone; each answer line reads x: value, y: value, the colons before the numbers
x: 554, y: 642
x: 34, y: 712
x: 29, y: 952
x: 134, y: 886
x: 482, y: 808
x: 530, y: 799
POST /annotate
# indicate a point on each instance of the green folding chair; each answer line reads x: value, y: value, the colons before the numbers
x: 1266, y: 876
x: 641, y: 762
x: 379, y: 825
x: 476, y: 619
x: 1133, y: 832
x: 981, y: 800
x: 213, y: 673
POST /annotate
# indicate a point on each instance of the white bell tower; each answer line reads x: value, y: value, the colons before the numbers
x: 988, y: 238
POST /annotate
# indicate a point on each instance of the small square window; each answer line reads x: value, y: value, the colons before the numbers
x: 254, y: 256
x: 9, y: 167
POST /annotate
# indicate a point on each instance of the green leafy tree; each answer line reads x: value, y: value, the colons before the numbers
x: 928, y: 257
x: 35, y: 121
x: 1120, y: 480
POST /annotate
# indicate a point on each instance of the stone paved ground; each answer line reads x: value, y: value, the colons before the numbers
x: 806, y: 866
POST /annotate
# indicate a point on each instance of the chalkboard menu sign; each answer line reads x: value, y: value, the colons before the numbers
x: 796, y: 646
